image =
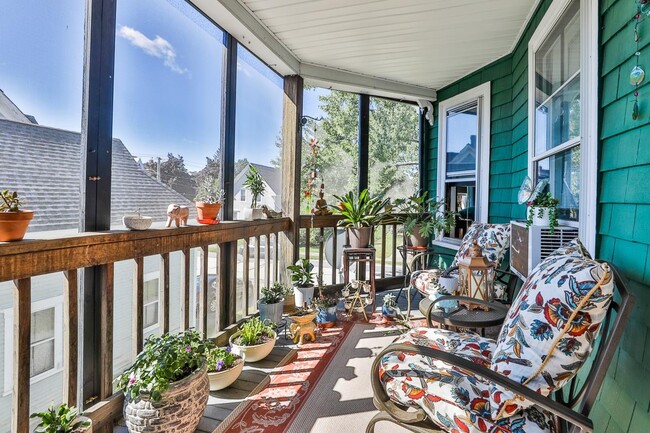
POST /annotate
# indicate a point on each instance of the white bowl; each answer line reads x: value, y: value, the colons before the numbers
x: 136, y: 222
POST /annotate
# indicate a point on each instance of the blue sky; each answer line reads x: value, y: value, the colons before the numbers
x: 168, y: 88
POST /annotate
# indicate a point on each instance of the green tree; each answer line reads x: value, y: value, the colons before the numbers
x: 209, y: 175
x: 174, y: 174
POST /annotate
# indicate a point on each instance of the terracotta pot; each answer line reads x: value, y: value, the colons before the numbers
x: 359, y: 237
x: 180, y: 409
x: 417, y: 240
x: 13, y: 225
x: 207, y: 211
x: 252, y: 353
x: 223, y: 379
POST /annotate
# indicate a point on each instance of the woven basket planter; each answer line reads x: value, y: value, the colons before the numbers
x: 179, y: 411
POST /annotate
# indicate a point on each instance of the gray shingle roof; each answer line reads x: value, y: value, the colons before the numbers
x: 271, y: 176
x: 44, y: 165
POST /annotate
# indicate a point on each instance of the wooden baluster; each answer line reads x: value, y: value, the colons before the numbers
x: 22, y: 295
x: 307, y: 242
x: 335, y: 239
x: 165, y: 287
x: 258, y: 263
x: 267, y: 257
x: 187, y: 272
x: 394, y: 250
x: 321, y: 248
x: 106, y: 308
x: 203, y: 314
x: 276, y: 276
x: 137, y: 334
x: 246, y: 276
x: 383, y: 251
x: 70, y: 336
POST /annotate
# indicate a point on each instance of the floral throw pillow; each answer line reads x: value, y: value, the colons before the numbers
x: 552, y: 325
x: 494, y: 239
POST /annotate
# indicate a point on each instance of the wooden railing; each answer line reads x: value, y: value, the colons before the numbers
x: 20, y: 262
x: 318, y: 235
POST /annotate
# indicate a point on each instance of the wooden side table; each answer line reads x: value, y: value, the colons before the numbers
x: 360, y: 256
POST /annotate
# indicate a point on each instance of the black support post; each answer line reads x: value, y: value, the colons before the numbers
x: 228, y: 123
x: 364, y: 141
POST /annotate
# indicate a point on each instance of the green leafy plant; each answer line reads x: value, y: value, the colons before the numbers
x: 163, y: 360
x: 10, y: 201
x: 254, y: 332
x: 323, y: 301
x: 209, y: 192
x: 255, y: 184
x: 425, y: 213
x: 300, y: 311
x: 538, y: 205
x: 361, y: 210
x: 301, y: 273
x: 220, y: 359
x: 60, y: 419
x: 274, y: 294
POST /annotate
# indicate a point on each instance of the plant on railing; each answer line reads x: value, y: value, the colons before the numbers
x: 539, y: 206
x: 60, y: 419
x: 424, y: 215
x: 164, y: 359
x: 254, y: 332
x: 10, y: 201
x: 13, y: 220
x: 301, y: 273
x: 362, y: 210
x: 209, y: 192
x: 255, y: 184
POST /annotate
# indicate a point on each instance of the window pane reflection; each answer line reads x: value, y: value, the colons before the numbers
x: 562, y: 171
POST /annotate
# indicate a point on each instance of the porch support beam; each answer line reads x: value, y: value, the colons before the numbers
x: 364, y: 141
x: 291, y: 160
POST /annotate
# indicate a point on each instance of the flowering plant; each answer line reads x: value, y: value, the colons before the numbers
x: 220, y: 359
x: 163, y: 360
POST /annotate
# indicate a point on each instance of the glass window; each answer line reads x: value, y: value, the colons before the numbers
x: 169, y: 68
x: 394, y: 148
x: 42, y: 338
x: 151, y: 302
x: 557, y: 123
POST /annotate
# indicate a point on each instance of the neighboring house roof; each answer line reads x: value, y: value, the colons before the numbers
x: 44, y: 165
x: 271, y: 176
x: 10, y: 111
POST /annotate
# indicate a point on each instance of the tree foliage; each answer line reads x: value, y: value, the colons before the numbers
x: 174, y: 174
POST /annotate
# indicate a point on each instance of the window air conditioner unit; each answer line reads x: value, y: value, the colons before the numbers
x: 528, y: 247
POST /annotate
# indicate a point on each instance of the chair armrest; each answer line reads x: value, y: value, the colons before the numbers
x: 492, y: 305
x: 557, y: 409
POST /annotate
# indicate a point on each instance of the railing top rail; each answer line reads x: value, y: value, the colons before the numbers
x: 329, y: 220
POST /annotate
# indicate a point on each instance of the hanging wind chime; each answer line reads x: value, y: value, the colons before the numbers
x: 637, y: 75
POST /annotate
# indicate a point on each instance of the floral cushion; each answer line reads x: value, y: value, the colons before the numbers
x: 455, y: 400
x: 551, y: 326
x: 426, y: 282
x: 494, y: 239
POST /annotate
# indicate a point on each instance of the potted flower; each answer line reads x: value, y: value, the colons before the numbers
x: 271, y: 304
x: 254, y: 340
x: 13, y: 220
x: 62, y: 419
x: 542, y: 211
x: 389, y: 308
x: 224, y: 367
x: 208, y: 201
x: 360, y: 214
x: 167, y: 385
x: 303, y: 281
x: 255, y: 184
x: 136, y: 221
x: 423, y: 217
x: 326, y: 310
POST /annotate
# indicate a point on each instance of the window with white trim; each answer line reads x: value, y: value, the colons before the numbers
x: 463, y: 156
x: 151, y: 301
x: 46, y: 348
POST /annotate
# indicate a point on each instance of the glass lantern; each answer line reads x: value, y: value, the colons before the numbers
x: 476, y: 276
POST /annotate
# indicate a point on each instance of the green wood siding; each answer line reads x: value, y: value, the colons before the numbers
x: 623, y: 190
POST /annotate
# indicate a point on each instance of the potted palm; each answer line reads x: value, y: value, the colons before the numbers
x: 360, y: 214
x: 271, y: 303
x: 224, y: 367
x: 255, y: 184
x: 62, y: 419
x: 542, y: 211
x: 13, y: 220
x: 167, y: 387
x: 254, y: 340
x: 209, y: 200
x: 423, y: 217
x: 303, y: 282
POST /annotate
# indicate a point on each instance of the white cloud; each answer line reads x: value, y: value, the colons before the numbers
x: 157, y: 47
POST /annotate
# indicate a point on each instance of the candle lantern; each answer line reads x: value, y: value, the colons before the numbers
x: 476, y: 276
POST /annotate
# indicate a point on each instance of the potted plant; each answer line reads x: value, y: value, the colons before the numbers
x: 224, y: 367
x: 271, y: 304
x: 360, y: 214
x: 62, y: 419
x: 423, y: 216
x: 255, y: 184
x: 208, y: 201
x: 542, y: 211
x: 389, y: 308
x: 326, y: 310
x: 254, y: 340
x: 303, y: 281
x: 167, y: 386
x: 13, y: 220
x: 136, y: 221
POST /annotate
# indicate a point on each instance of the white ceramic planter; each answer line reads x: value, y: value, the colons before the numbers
x: 545, y: 219
x: 136, y: 222
x: 253, y: 214
x: 252, y: 353
x: 223, y: 379
x: 302, y: 295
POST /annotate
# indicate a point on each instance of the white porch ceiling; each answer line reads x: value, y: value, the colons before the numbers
x: 407, y: 47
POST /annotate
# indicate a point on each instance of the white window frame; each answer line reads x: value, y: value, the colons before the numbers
x: 55, y: 302
x: 483, y: 94
x: 588, y: 109
x: 150, y: 276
